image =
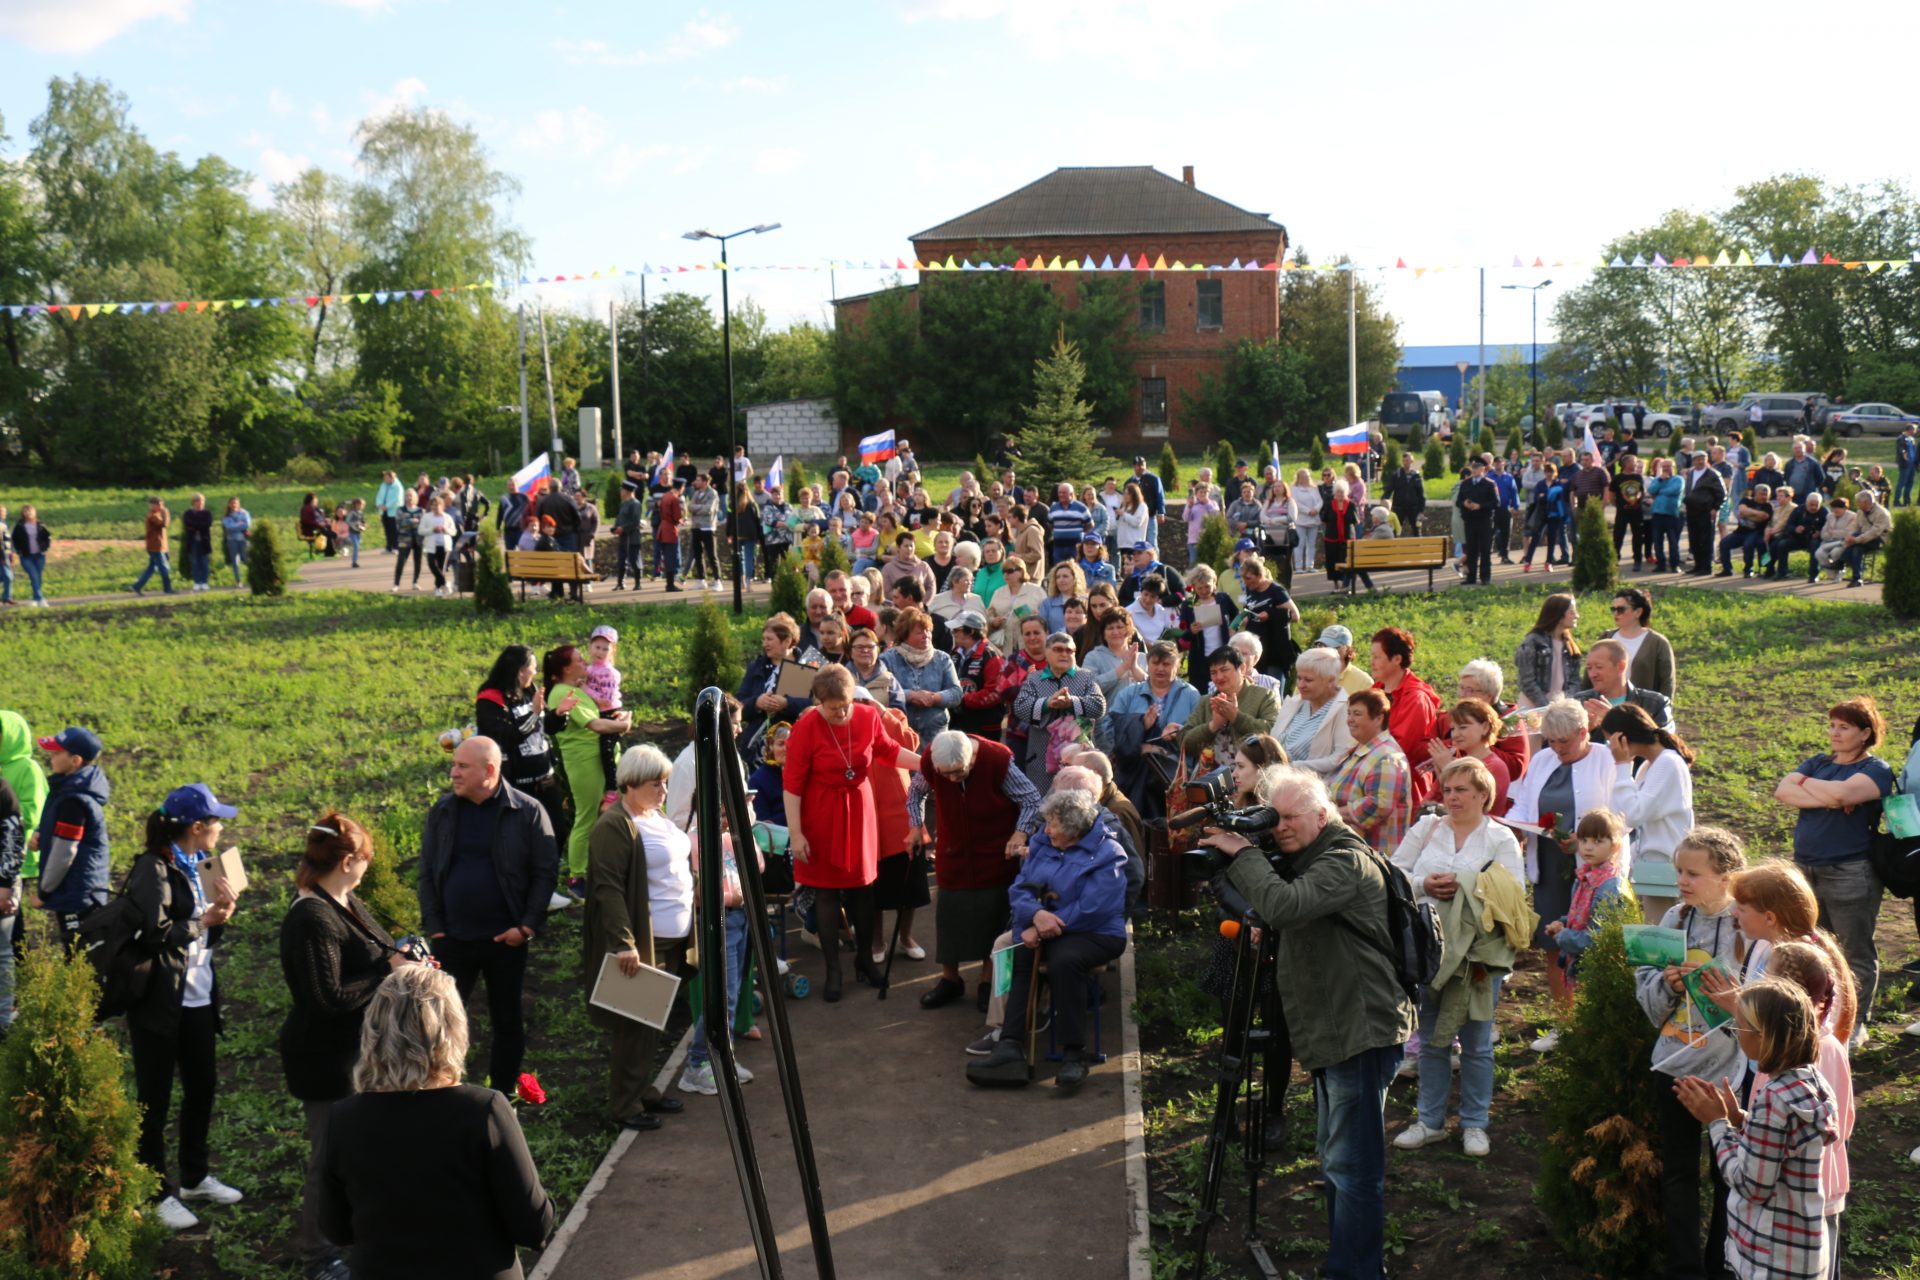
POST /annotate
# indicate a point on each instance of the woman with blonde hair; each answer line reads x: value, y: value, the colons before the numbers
x: 484, y: 1199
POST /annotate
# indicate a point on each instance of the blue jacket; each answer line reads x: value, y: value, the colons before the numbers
x: 1573, y: 942
x: 1665, y: 493
x: 754, y: 683
x: 73, y: 835
x: 1509, y: 491
x: 1126, y: 728
x: 938, y: 676
x: 1804, y: 476
x: 1906, y: 452
x: 1552, y: 496
x: 1098, y: 571
x: 1087, y: 880
x: 1151, y: 493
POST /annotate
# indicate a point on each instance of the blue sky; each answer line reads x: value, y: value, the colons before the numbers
x: 1443, y: 134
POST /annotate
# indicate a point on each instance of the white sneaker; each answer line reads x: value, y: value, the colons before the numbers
x: 1408, y: 1067
x: 1475, y: 1142
x: 1417, y: 1135
x: 394, y: 589
x: 1546, y: 1043
x: 212, y: 1190
x: 175, y: 1216
x: 741, y: 1073
x: 561, y: 901
x: 1911, y: 1029
x: 781, y: 961
x: 1914, y: 1155
x: 698, y: 1078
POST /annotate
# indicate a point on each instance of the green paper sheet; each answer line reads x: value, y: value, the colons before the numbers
x: 1651, y: 944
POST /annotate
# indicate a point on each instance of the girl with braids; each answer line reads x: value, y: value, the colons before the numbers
x: 172, y: 1027
x: 1653, y: 791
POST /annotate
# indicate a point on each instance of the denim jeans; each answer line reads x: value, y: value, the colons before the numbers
x: 36, y: 567
x: 7, y: 926
x: 1903, y: 491
x: 236, y: 557
x: 736, y: 923
x: 1666, y: 541
x: 1849, y: 896
x: 1855, y: 556
x: 156, y: 563
x: 1436, y: 1072
x: 6, y: 574
x: 746, y: 560
x: 197, y: 564
x: 353, y: 542
x: 1350, y: 1103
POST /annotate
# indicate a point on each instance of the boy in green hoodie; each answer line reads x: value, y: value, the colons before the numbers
x: 23, y: 793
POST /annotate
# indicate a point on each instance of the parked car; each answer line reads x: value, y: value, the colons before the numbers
x: 1400, y: 412
x: 1859, y: 419
x: 1780, y: 414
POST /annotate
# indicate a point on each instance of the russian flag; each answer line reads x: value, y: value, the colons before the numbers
x: 664, y: 473
x: 877, y: 448
x: 1274, y: 445
x: 775, y: 474
x: 531, y: 476
x: 1351, y: 439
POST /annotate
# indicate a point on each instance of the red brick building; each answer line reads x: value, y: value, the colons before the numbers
x: 1188, y: 320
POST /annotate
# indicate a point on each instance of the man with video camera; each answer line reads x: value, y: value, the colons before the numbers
x: 1325, y: 894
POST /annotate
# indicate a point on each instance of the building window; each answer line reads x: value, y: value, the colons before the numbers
x: 1153, y: 402
x: 1210, y: 313
x: 1153, y: 305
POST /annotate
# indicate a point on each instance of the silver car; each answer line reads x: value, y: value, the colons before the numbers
x: 1859, y: 419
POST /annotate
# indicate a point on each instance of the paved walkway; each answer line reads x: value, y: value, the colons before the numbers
x: 923, y: 1174
x: 1315, y: 584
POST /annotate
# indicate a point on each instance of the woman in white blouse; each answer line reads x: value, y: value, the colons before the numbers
x: 1306, y: 518
x: 1443, y: 855
x: 1313, y: 723
x: 1131, y: 521
x: 1656, y: 800
x: 437, y: 532
x: 959, y: 596
x: 1018, y: 599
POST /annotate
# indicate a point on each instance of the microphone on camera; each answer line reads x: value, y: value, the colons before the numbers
x: 1191, y: 818
x: 1230, y: 929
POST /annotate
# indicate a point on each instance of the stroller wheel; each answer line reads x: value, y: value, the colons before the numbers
x: 798, y: 986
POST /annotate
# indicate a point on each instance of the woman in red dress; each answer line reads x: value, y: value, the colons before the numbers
x: 832, y: 829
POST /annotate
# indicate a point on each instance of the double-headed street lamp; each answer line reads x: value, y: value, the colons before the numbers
x: 1533, y: 352
x: 726, y: 342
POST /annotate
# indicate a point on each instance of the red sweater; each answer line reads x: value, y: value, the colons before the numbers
x: 1414, y: 721
x: 970, y: 841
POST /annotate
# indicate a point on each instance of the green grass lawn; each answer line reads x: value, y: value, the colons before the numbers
x: 335, y: 698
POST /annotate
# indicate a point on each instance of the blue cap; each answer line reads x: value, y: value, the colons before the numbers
x: 1246, y: 544
x: 195, y: 802
x: 1090, y: 537
x: 74, y: 741
x: 1141, y: 546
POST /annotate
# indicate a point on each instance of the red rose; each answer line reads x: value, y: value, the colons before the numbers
x: 529, y: 1089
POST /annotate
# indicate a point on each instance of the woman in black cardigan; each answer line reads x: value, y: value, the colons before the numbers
x: 334, y: 956
x: 511, y: 708
x: 173, y: 1025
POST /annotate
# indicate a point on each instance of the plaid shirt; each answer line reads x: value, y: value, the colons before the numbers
x: 1372, y: 786
x: 1776, y: 1211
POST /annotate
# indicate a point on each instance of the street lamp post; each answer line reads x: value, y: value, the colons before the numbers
x: 1533, y: 349
x: 726, y: 342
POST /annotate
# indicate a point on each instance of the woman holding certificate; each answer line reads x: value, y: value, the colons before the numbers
x: 759, y: 689
x: 833, y: 831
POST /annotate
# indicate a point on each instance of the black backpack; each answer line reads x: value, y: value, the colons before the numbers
x: 111, y: 936
x: 1415, y: 942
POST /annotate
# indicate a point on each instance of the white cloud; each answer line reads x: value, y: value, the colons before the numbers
x: 755, y: 84
x: 775, y: 160
x: 365, y: 6
x: 700, y: 34
x: 278, y: 102
x: 1148, y: 38
x: 76, y: 26
x: 404, y: 93
x: 276, y: 166
x: 581, y: 130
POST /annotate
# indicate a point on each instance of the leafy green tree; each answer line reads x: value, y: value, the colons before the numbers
x: 1596, y: 565
x: 492, y: 589
x: 1169, y: 468
x: 1313, y: 322
x: 1259, y: 393
x: 1599, y: 1179
x: 792, y: 364
x: 875, y: 361
x: 75, y: 1202
x: 713, y: 661
x: 1101, y: 325
x: 980, y: 338
x: 672, y: 375
x: 1900, y: 590
x: 316, y: 223
x: 266, y: 566
x: 1057, y: 442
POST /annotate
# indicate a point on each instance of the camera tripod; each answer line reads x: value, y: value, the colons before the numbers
x: 1242, y: 1046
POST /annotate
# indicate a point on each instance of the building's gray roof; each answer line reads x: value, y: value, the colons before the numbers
x: 1119, y: 200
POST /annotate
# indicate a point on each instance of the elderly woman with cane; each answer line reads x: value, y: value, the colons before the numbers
x: 1069, y: 909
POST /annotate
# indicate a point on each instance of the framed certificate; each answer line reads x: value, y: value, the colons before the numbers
x: 1207, y: 615
x: 225, y: 867
x: 645, y: 997
x: 796, y: 680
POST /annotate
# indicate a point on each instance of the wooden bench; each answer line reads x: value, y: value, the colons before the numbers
x: 1374, y: 554
x: 549, y: 566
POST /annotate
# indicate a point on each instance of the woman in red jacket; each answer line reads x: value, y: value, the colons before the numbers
x: 833, y: 829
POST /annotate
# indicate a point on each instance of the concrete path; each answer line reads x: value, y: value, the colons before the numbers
x: 924, y: 1174
x: 1314, y: 584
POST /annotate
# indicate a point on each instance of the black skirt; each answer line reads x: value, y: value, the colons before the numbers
x: 901, y: 883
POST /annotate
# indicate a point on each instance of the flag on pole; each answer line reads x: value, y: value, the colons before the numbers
x: 1274, y: 445
x: 775, y: 474
x: 877, y: 447
x: 1587, y: 447
x: 527, y: 478
x: 664, y: 473
x: 1351, y: 439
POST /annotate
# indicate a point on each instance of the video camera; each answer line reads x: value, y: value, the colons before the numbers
x: 1252, y: 822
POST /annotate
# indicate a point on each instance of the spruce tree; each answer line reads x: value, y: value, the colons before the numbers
x: 492, y: 589
x: 982, y: 472
x: 1596, y: 565
x: 796, y: 478
x: 1390, y: 462
x: 1169, y: 468
x: 1433, y: 465
x: 789, y: 591
x: 1457, y: 454
x: 1316, y: 453
x: 832, y: 556
x: 1829, y: 441
x: 1556, y: 432
x: 1599, y: 1179
x: 1216, y: 543
x: 266, y: 570
x: 1057, y: 442
x: 75, y: 1199
x: 1900, y: 566
x: 712, y: 660
x: 1515, y: 443
x: 612, y: 495
x: 1416, y: 438
x: 1224, y: 461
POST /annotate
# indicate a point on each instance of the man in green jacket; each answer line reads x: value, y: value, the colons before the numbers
x: 1346, y: 1011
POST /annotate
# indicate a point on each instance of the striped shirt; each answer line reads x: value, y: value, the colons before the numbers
x: 1776, y: 1211
x: 1069, y: 521
x: 1372, y: 788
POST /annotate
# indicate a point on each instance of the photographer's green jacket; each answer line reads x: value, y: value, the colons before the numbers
x: 1338, y: 992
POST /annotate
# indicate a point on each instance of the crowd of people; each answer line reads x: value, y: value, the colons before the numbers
x: 1011, y: 716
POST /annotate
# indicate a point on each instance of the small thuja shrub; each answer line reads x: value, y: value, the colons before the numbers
x: 266, y: 565
x: 492, y: 590
x: 1900, y: 566
x: 1216, y: 543
x: 789, y: 592
x: 1596, y: 565
x: 712, y: 661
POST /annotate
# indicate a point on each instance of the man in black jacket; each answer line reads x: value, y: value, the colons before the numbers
x: 1705, y: 492
x: 487, y: 866
x: 1406, y: 493
x: 1479, y: 498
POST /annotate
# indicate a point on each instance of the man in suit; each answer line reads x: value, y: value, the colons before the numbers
x: 1705, y: 492
x: 1479, y: 498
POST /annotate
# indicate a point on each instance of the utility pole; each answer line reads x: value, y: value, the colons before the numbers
x: 1480, y: 412
x: 526, y: 448
x: 546, y: 364
x: 1353, y: 371
x: 613, y: 341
